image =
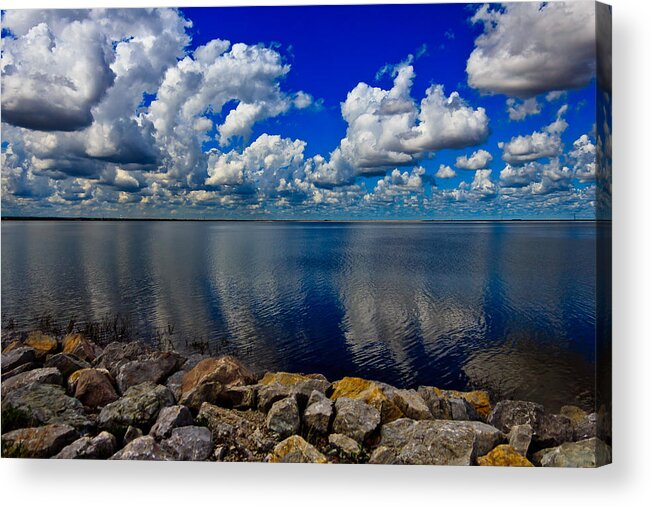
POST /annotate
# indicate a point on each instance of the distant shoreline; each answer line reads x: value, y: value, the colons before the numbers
x: 335, y: 221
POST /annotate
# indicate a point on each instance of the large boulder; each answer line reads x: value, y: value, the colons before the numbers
x: 138, y: 407
x: 269, y: 394
x: 344, y: 445
x: 67, y: 364
x: 115, y: 354
x: 93, y: 387
x: 588, y: 453
x: 143, y: 449
x: 41, y: 442
x: 318, y: 415
x: 442, y: 398
x: 17, y: 357
x: 283, y: 418
x: 209, y: 392
x: 39, y: 404
x: 584, y: 425
x: 504, y: 456
x: 435, y: 442
x: 100, y: 447
x: 369, y: 392
x: 42, y: 343
x: 77, y: 345
x: 189, y: 443
x: 520, y: 438
x: 155, y: 368
x: 355, y: 419
x: 553, y: 430
x: 226, y: 370
x: 301, y: 386
x: 509, y: 413
x: 411, y: 404
x: 37, y: 376
x: 170, y: 418
x: 296, y: 450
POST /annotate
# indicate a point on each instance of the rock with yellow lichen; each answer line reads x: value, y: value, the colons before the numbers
x: 369, y: 392
x: 42, y: 343
x: 504, y: 456
x: 296, y: 450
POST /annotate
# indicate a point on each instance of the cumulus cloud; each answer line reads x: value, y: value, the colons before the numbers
x: 478, y: 160
x: 530, y: 48
x: 519, y: 110
x: 445, y: 172
x: 482, y: 187
x: 583, y: 155
x: 548, y: 143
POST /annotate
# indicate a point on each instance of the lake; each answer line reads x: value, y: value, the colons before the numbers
x: 509, y: 307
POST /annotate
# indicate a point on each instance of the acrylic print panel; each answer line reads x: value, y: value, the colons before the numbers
x: 238, y: 234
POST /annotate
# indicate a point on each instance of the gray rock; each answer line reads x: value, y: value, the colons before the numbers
x: 295, y: 449
x: 447, y: 407
x: 143, y: 449
x: 39, y: 404
x: 100, y: 447
x: 318, y: 415
x: 37, y: 376
x: 170, y: 418
x: 411, y: 404
x: 303, y: 390
x: 461, y: 410
x: 131, y: 434
x: 6, y: 375
x: 270, y: 394
x: 239, y: 397
x: 41, y: 442
x: 156, y: 368
x: 67, y: 364
x: 520, y: 438
x: 115, y: 354
x: 173, y: 383
x: 586, y: 428
x: 509, y: 413
x: 209, y: 392
x: 189, y: 443
x: 18, y: 357
x: 588, y: 453
x: 553, y: 430
x: 138, y: 407
x: 355, y: 419
x: 284, y: 418
x: 383, y: 455
x: 344, y: 444
x: 315, y: 397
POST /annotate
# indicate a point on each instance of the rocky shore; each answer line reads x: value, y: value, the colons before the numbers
x: 68, y: 398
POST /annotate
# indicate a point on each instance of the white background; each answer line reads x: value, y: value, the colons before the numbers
x: 627, y: 481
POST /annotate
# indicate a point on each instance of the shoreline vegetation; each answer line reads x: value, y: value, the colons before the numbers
x: 67, y: 396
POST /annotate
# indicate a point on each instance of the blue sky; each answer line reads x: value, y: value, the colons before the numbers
x: 357, y: 112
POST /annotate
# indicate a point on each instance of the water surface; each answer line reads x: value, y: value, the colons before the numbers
x: 509, y: 307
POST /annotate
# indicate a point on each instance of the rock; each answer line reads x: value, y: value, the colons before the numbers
x: 411, y: 404
x: 553, y: 430
x: 573, y: 413
x: 586, y: 427
x: 67, y: 364
x: 296, y: 450
x: 289, y: 379
x: 207, y: 392
x: 37, y: 376
x: 6, y: 375
x: 369, y: 392
x: 283, y: 418
x: 461, y: 410
x: 79, y: 346
x: 438, y: 442
x: 138, y: 407
x: 226, y: 370
x: 355, y: 419
x: 155, y: 368
x: 42, y: 442
x: 100, y: 447
x: 10, y: 345
x: 318, y: 415
x: 116, y: 354
x: 588, y: 453
x: 42, y: 343
x: 478, y: 400
x: 39, y: 404
x: 17, y: 357
x: 189, y: 443
x: 509, y: 413
x: 170, y: 418
x: 504, y: 456
x: 269, y: 394
x: 220, y: 453
x: 302, y: 386
x: 239, y: 397
x: 344, y: 444
x: 173, y: 383
x: 131, y: 434
x: 520, y: 438
x: 93, y: 387
x: 143, y: 448
x: 383, y: 455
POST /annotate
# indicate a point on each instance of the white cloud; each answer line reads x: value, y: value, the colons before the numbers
x: 583, y: 155
x: 519, y: 110
x: 478, y: 160
x: 445, y: 172
x: 529, y: 48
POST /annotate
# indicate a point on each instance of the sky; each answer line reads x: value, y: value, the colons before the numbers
x: 443, y: 111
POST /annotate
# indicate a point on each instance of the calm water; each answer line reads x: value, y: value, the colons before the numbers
x: 507, y: 307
